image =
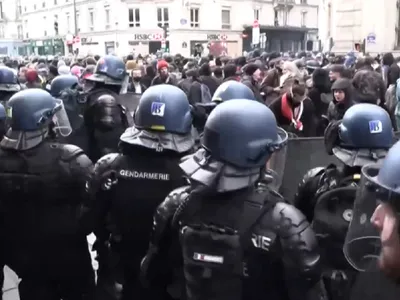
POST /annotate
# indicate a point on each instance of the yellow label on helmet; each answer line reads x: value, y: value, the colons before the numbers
x: 356, y: 176
x: 158, y: 127
x: 9, y: 112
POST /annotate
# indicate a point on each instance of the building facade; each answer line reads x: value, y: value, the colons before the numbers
x: 125, y: 26
x: 364, y: 25
x: 11, y: 34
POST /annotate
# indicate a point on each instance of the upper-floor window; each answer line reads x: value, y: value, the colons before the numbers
x: 107, y: 16
x: 26, y: 29
x: 194, y: 18
x: 1, y: 10
x: 43, y: 4
x: 78, y: 17
x: 55, y: 2
x: 303, y: 1
x: 68, y: 22
x: 162, y: 17
x: 20, y: 32
x: 303, y: 19
x: 91, y: 19
x: 45, y: 26
x: 134, y: 17
x: 2, y: 31
x: 226, y: 19
x: 34, y: 6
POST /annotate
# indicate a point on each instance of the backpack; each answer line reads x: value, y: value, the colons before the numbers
x: 205, y: 93
x: 214, y: 237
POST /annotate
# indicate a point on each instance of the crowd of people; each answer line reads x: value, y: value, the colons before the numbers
x: 178, y: 217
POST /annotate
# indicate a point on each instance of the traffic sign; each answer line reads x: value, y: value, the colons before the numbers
x: 371, y: 38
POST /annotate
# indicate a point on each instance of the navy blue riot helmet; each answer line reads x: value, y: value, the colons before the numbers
x: 61, y: 83
x: 363, y: 136
x: 163, y: 121
x: 235, y: 151
x: 8, y: 80
x: 164, y: 108
x: 3, y: 119
x: 34, y: 109
x: 3, y: 114
x: 230, y: 137
x: 109, y: 70
x: 232, y: 90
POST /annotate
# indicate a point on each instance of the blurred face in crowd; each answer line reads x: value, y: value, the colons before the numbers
x: 333, y: 76
x: 298, y: 98
x: 22, y: 72
x: 339, y: 95
x: 164, y: 72
x: 257, y: 75
x: 386, y: 220
x: 136, y: 75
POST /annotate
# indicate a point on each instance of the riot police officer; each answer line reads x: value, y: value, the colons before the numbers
x: 105, y: 118
x: 230, y: 228
x: 61, y: 83
x: 326, y: 195
x: 373, y: 239
x: 43, y: 199
x: 135, y: 181
x: 226, y: 91
x: 3, y: 121
x: 9, y: 84
x: 65, y: 87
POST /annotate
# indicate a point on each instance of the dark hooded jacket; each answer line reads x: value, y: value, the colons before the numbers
x: 318, y: 93
x: 369, y: 87
x: 337, y: 109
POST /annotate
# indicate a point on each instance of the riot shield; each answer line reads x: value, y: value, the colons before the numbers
x: 130, y: 101
x: 302, y: 154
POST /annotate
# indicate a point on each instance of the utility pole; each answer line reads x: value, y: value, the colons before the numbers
x: 75, y: 20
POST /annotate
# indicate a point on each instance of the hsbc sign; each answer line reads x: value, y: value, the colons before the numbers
x: 148, y: 37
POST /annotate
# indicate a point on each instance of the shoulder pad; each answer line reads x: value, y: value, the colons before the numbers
x: 265, y: 190
x: 174, y: 199
x: 106, y: 163
x: 314, y: 172
x: 69, y: 151
x: 288, y: 219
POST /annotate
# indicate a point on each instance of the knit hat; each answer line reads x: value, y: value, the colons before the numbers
x: 31, y: 75
x: 162, y: 64
x: 64, y: 70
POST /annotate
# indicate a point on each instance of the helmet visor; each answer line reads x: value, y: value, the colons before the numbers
x: 362, y: 244
x: 60, y: 120
x: 276, y: 164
